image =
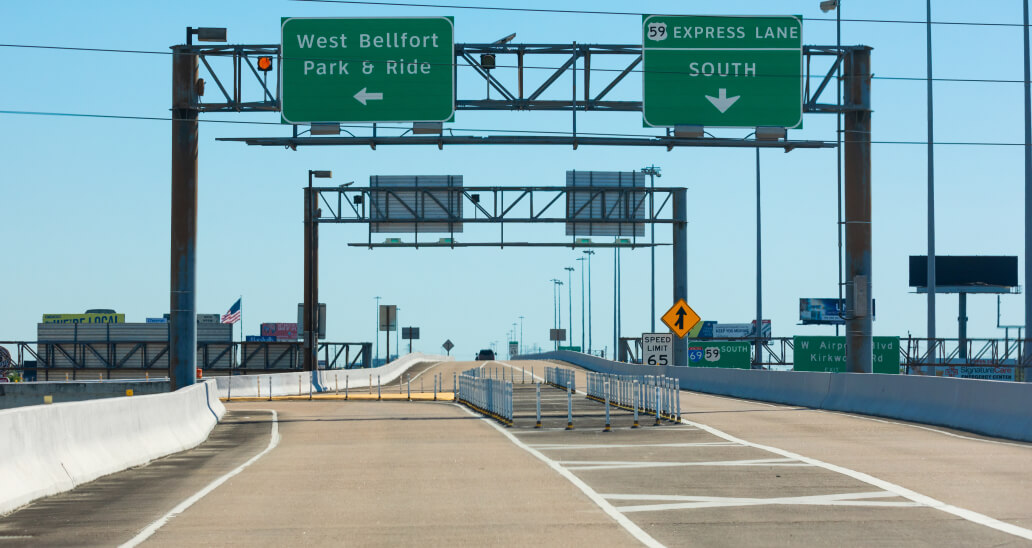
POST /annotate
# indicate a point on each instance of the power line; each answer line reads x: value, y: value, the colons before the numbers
x: 532, y: 67
x: 481, y: 130
x: 639, y: 14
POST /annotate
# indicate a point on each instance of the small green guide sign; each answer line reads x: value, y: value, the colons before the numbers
x: 729, y: 71
x: 732, y: 354
x: 367, y: 69
x: 829, y: 354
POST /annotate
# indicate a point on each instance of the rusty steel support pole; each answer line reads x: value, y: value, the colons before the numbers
x: 859, y: 357
x: 182, y: 328
x: 680, y: 247
x: 311, y: 297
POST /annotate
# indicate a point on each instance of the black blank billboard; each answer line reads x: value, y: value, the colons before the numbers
x: 965, y: 270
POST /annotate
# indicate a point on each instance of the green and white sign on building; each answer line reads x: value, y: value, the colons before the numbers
x: 367, y: 69
x: 730, y: 71
x: 829, y: 354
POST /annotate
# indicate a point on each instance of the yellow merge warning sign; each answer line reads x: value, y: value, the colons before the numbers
x: 680, y: 318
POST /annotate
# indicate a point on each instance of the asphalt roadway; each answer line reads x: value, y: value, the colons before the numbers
x: 376, y: 473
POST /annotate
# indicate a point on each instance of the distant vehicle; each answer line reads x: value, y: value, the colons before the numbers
x: 485, y: 354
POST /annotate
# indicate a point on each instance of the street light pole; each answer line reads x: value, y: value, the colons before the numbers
x: 589, y: 253
x: 311, y: 272
x: 653, y: 172
x: 582, y: 347
x: 569, y: 294
x: 521, y: 335
x: 377, y: 327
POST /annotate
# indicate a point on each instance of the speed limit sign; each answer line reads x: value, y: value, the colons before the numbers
x: 657, y: 348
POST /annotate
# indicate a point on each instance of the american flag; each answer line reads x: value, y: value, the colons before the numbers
x: 233, y: 315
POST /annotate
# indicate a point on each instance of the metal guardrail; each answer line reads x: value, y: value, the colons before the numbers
x: 561, y: 378
x: 491, y: 397
x: 649, y: 394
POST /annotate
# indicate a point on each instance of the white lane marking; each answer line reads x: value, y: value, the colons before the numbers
x: 868, y: 418
x: 425, y: 370
x: 551, y: 446
x: 15, y: 537
x: 918, y: 426
x: 274, y: 439
x: 972, y: 516
x: 609, y: 509
x: 691, y: 502
x: 620, y: 465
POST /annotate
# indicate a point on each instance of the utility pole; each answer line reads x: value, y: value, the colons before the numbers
x: 521, y: 335
x: 653, y: 172
x: 931, y: 190
x: 588, y: 253
x: 859, y: 358
x: 1027, y: 354
x: 182, y: 332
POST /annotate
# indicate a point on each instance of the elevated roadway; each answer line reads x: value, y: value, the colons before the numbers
x: 376, y: 473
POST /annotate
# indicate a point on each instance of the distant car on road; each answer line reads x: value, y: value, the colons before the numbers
x: 485, y: 355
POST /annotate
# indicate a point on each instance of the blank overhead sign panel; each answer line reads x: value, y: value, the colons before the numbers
x: 605, y: 203
x: 398, y: 69
x: 731, y: 71
x: 395, y: 204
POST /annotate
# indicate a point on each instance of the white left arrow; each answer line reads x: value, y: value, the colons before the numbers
x: 722, y: 102
x: 362, y: 96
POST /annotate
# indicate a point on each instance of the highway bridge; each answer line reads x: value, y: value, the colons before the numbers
x: 401, y: 463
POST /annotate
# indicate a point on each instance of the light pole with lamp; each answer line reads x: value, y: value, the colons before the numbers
x: 377, y: 328
x: 556, y: 304
x: 652, y: 172
x: 521, y: 334
x: 588, y: 253
x: 569, y: 295
x: 581, y: 261
x: 311, y: 286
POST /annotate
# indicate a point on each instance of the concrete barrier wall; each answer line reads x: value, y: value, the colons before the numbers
x: 47, y: 449
x: 301, y: 382
x: 19, y: 394
x: 994, y: 408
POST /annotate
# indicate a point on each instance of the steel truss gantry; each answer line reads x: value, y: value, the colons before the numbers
x: 251, y: 93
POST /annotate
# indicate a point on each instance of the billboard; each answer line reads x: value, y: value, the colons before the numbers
x: 279, y: 331
x: 83, y: 318
x: 958, y: 271
x: 715, y: 330
x: 825, y: 311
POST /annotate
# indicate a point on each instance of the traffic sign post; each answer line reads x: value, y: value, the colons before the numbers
x: 730, y: 71
x: 367, y: 69
x: 448, y: 345
x: 657, y: 349
x: 680, y: 318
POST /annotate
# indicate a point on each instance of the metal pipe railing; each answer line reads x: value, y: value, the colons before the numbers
x: 491, y: 397
x: 649, y: 394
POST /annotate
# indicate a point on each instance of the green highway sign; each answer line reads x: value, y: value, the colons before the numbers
x: 729, y: 71
x: 729, y: 354
x: 829, y: 354
x: 367, y: 69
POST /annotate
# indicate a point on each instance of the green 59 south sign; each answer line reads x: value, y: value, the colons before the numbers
x: 728, y: 71
x: 367, y: 69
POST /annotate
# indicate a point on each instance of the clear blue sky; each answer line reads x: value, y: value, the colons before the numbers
x: 85, y: 201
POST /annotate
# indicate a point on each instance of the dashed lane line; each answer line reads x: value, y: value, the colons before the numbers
x: 588, y: 465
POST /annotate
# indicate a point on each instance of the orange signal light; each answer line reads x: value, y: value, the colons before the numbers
x: 265, y: 64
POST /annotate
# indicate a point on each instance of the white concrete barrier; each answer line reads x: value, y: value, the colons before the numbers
x: 300, y: 382
x: 994, y: 408
x: 47, y: 449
